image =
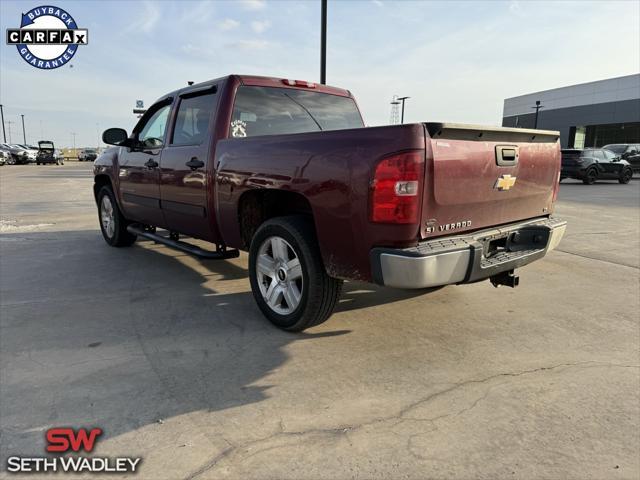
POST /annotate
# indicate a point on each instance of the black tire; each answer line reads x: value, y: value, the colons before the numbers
x: 117, y: 234
x: 319, y: 292
x: 625, y: 176
x: 590, y: 176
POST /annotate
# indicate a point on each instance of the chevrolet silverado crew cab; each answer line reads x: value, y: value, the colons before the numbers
x: 286, y: 170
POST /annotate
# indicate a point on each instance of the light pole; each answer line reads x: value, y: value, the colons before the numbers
x: 402, y: 99
x: 323, y: 43
x: 9, y: 122
x: 4, y: 134
x: 537, y: 107
x: 73, y: 134
x: 24, y: 135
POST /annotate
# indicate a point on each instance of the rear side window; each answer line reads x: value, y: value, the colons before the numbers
x: 277, y: 111
x: 616, y: 148
x: 192, y: 121
x: 592, y: 154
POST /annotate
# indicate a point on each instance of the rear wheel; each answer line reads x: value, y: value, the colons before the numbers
x: 112, y: 223
x: 288, y: 279
x: 590, y: 177
x: 625, y: 176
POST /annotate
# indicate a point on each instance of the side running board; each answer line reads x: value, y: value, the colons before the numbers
x: 220, y: 254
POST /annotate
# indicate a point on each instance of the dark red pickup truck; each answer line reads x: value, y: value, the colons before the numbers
x: 287, y: 170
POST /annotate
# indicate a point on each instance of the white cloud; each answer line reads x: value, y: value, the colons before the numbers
x: 248, y: 45
x: 378, y: 3
x: 228, y: 24
x: 516, y: 8
x: 147, y: 20
x: 253, y: 4
x: 260, y: 26
x: 200, y: 12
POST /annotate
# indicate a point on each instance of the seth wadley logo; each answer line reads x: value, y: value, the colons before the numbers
x: 48, y: 37
x: 66, y: 440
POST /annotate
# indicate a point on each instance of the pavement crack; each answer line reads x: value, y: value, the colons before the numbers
x: 345, y: 429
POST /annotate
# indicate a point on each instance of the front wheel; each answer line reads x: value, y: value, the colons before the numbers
x: 288, y: 279
x: 626, y: 176
x: 112, y: 223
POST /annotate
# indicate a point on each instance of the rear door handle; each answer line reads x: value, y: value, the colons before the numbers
x: 194, y: 163
x: 151, y: 163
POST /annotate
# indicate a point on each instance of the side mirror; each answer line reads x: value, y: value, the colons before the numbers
x: 114, y: 136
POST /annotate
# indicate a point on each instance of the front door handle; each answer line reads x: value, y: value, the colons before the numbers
x: 194, y: 163
x: 151, y: 163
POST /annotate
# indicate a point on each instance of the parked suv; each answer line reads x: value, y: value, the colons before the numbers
x: 87, y: 155
x: 627, y: 151
x: 592, y: 164
x: 47, y: 153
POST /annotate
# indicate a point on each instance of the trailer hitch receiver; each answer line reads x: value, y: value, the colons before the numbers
x: 505, y: 278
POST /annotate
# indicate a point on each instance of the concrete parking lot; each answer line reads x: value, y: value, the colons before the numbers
x: 171, y: 358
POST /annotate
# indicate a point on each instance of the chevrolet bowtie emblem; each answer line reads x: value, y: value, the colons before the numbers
x: 505, y: 182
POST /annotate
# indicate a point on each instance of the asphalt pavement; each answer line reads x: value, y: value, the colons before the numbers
x: 169, y: 355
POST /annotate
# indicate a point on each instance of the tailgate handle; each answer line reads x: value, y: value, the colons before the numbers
x: 506, y: 155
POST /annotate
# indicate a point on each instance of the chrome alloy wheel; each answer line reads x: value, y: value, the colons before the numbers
x: 107, y: 216
x: 279, y: 274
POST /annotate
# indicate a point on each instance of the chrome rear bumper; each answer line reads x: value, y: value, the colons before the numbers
x: 466, y: 258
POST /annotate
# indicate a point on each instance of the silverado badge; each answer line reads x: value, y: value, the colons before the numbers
x: 505, y: 182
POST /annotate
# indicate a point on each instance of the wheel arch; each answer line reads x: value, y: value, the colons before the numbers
x: 259, y: 205
x: 102, y: 180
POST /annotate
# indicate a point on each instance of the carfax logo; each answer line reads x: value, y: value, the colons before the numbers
x: 48, y: 37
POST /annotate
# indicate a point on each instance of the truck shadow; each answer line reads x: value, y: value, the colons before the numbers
x: 128, y: 338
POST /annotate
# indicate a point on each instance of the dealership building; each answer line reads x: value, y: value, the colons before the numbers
x: 587, y: 115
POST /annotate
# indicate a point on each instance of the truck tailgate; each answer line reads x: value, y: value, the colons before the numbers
x: 476, y: 177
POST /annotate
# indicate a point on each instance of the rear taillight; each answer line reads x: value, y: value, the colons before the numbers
x: 396, y: 188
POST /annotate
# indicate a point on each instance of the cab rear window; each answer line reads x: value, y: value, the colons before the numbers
x: 277, y: 111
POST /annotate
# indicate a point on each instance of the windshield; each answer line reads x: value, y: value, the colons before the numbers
x: 90, y: 150
x: 275, y: 111
x: 46, y: 145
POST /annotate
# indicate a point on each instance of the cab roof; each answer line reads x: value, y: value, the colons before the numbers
x: 260, y: 81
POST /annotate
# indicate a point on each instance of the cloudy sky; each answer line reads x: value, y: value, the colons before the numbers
x: 456, y: 60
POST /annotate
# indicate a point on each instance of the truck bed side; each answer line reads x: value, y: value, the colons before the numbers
x: 332, y: 171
